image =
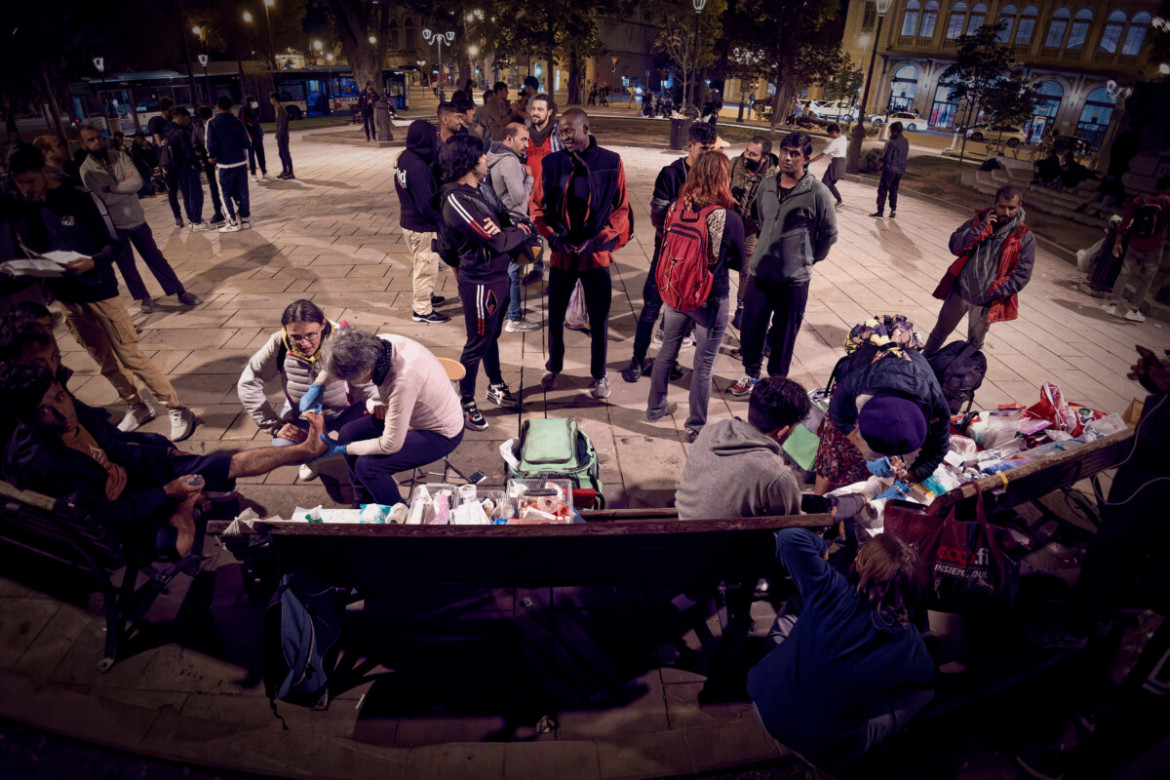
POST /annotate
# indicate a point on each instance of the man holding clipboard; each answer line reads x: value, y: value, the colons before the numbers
x: 64, y: 219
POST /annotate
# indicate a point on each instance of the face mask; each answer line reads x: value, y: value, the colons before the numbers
x: 751, y: 165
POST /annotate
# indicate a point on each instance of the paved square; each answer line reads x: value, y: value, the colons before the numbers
x: 332, y: 236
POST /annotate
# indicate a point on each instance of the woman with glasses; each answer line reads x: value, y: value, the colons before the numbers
x: 292, y: 356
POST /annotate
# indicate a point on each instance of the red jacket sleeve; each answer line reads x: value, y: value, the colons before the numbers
x: 537, y: 207
x: 616, y: 231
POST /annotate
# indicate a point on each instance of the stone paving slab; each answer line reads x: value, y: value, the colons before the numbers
x: 332, y: 236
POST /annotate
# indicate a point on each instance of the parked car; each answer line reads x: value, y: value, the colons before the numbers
x: 910, y: 120
x: 835, y: 110
x: 1071, y: 143
x: 1009, y: 134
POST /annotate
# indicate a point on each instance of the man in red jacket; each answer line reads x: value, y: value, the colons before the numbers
x: 580, y: 205
x: 1145, y: 221
x: 996, y: 252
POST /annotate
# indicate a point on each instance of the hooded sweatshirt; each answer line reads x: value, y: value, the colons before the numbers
x: 115, y: 181
x: 510, y: 181
x: 482, y: 258
x: 414, y: 179
x: 735, y: 470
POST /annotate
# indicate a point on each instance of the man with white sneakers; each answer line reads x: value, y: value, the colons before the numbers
x: 227, y: 147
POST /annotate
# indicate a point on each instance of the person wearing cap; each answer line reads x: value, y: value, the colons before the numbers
x: 893, y: 407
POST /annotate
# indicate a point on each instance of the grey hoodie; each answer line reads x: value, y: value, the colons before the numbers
x: 116, y: 182
x: 735, y: 471
x: 510, y: 180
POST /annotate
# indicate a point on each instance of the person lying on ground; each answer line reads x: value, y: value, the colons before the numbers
x: 137, y: 486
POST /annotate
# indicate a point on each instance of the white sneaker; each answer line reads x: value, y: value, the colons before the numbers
x: 307, y: 471
x: 548, y: 380
x: 183, y: 423
x: 136, y: 417
x: 259, y: 175
x: 688, y: 342
x: 195, y: 227
x: 600, y: 388
x: 521, y: 325
x: 659, y: 336
x: 1109, y: 308
x: 1133, y: 315
x: 231, y: 226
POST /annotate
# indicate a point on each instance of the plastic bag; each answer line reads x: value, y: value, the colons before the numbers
x: 1054, y: 409
x: 577, y: 316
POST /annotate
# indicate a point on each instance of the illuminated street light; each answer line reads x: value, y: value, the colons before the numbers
x: 248, y: 17
x: 317, y: 45
x: 373, y: 39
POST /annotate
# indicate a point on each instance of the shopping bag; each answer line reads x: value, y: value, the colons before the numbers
x: 1055, y: 409
x: 577, y: 316
x: 909, y: 521
x: 969, y: 570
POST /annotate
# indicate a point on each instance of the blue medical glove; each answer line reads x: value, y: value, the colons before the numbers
x: 896, y: 490
x: 880, y: 467
x: 311, y: 400
x: 335, y: 447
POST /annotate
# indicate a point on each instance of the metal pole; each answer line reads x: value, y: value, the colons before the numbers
x: 271, y: 48
x: 442, y: 97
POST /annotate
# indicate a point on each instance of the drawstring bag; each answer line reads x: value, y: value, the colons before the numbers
x: 577, y: 317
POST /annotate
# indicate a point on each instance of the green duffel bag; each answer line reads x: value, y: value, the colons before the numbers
x: 557, y: 449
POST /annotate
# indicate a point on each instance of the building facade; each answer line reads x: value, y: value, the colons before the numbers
x: 1080, y: 55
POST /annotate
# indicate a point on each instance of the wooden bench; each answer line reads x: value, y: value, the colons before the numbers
x: 58, y: 530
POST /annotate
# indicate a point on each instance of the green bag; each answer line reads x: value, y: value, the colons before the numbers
x: 801, y: 447
x: 557, y: 448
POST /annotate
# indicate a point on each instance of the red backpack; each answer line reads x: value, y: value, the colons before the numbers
x: 684, y: 275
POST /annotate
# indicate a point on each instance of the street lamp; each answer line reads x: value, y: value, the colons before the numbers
x: 857, y: 138
x: 100, y: 64
x: 692, y: 85
x: 439, y: 40
x: 206, y: 86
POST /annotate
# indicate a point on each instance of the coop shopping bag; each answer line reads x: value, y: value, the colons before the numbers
x: 967, y: 566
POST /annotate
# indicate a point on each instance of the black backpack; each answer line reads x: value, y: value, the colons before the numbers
x: 301, y: 625
x: 960, y: 369
x: 1147, y: 219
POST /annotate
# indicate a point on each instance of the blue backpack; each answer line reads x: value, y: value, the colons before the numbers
x: 301, y: 625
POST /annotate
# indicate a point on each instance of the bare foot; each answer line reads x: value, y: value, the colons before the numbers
x: 183, y: 521
x: 316, y: 429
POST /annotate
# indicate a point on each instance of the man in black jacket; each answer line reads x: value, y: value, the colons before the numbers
x: 65, y: 219
x: 137, y: 486
x: 228, y: 146
x: 701, y: 138
x: 282, y: 137
x: 414, y: 181
x: 185, y: 165
x: 476, y: 222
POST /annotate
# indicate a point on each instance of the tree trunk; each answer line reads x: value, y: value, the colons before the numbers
x: 574, y: 77
x: 782, y: 100
x: 550, y: 73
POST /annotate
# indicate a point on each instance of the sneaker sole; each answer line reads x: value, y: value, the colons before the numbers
x: 471, y: 426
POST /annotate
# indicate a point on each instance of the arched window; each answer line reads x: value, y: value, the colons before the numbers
x: 1080, y: 30
x: 1095, y: 116
x: 903, y: 88
x: 393, y: 34
x: 976, y: 19
x: 955, y: 20
x: 1026, y: 27
x: 1111, y: 37
x: 1056, y: 29
x: 410, y: 44
x: 1007, y: 20
x: 1047, y: 107
x: 1136, y: 34
x: 929, y: 19
x: 910, y: 18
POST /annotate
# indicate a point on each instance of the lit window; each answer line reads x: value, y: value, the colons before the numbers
x: 1007, y: 19
x: 1136, y: 34
x: 1111, y: 37
x: 975, y: 20
x: 910, y: 18
x: 929, y: 19
x: 1056, y: 29
x: 955, y: 20
x: 1080, y: 30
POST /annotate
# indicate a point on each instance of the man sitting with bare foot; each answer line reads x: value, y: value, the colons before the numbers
x: 137, y: 486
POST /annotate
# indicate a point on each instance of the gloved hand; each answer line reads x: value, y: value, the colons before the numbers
x: 311, y: 400
x: 333, y: 447
x: 880, y: 467
x: 896, y: 490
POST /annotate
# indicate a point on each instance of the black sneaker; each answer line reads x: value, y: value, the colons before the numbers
x: 877, y: 214
x: 633, y: 372
x: 472, y: 418
x: 500, y: 395
x: 893, y: 214
x: 676, y: 372
x: 437, y: 300
x: 433, y: 317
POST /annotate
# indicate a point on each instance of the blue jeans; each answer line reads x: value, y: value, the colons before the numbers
x: 515, y: 273
x: 711, y: 321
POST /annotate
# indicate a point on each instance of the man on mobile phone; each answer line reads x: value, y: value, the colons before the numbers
x: 996, y: 252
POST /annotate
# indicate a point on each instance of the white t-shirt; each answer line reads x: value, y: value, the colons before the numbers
x: 837, y: 147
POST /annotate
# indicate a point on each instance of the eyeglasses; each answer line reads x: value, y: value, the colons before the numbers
x: 306, y: 337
